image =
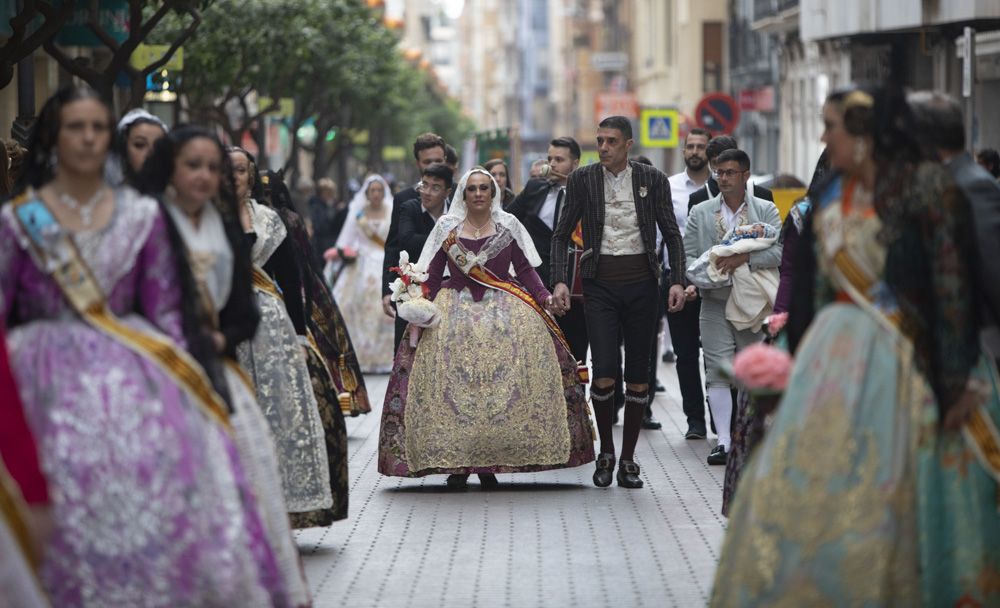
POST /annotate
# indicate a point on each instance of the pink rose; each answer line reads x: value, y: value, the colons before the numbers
x: 762, y: 367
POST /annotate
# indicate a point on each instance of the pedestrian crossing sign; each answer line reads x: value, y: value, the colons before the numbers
x: 659, y: 128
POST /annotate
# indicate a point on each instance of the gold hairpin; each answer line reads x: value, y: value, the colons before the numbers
x: 858, y: 98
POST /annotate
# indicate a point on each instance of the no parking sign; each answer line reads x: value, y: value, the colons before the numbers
x: 717, y: 112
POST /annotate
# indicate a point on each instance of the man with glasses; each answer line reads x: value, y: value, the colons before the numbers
x: 707, y: 224
x: 713, y: 149
x: 417, y: 217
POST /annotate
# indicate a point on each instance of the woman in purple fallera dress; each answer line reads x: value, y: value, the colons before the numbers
x: 150, y: 503
x: 491, y: 387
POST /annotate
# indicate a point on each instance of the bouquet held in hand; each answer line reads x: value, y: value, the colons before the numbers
x: 410, y: 294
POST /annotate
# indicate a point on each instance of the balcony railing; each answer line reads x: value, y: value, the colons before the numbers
x: 769, y: 8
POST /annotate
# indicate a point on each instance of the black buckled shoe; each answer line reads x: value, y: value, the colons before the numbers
x: 628, y: 475
x: 718, y: 456
x: 458, y: 482
x: 488, y: 481
x: 605, y: 470
x: 649, y: 422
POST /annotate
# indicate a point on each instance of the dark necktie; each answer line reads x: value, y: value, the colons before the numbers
x: 559, y: 200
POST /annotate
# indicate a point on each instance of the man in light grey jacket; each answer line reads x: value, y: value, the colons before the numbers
x: 707, y: 224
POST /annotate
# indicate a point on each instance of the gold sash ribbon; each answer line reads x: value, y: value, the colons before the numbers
x: 979, y: 430
x: 483, y: 276
x: 369, y: 232
x: 58, y: 252
x: 264, y: 283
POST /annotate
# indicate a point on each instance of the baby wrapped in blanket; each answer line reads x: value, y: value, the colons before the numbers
x: 754, y: 291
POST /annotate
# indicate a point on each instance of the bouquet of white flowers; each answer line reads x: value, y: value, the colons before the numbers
x: 410, y: 294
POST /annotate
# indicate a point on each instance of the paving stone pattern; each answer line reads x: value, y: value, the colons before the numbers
x: 547, y: 539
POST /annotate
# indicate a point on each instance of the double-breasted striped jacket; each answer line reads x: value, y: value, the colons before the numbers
x: 585, y: 201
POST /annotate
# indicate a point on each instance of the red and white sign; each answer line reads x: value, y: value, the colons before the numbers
x: 615, y: 104
x: 760, y: 99
x: 717, y: 112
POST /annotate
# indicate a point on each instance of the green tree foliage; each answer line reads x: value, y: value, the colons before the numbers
x: 337, y: 61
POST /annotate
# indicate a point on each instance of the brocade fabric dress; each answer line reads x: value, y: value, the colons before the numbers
x: 150, y: 503
x: 856, y: 496
x: 489, y: 389
x: 212, y: 264
x: 325, y: 377
x: 276, y: 363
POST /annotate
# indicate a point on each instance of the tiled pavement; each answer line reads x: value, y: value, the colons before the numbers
x: 547, y: 539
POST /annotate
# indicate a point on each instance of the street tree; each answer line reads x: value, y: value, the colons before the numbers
x: 144, y: 17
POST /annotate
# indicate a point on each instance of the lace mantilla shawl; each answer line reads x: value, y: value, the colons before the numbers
x: 270, y: 231
x: 504, y: 221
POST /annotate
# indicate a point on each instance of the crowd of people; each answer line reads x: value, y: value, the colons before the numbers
x: 181, y: 348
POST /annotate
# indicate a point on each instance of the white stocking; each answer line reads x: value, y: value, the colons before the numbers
x: 720, y: 400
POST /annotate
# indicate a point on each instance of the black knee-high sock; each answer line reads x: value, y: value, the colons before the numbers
x: 604, y: 411
x: 635, y: 407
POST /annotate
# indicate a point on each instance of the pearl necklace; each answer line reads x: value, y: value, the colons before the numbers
x: 84, y: 210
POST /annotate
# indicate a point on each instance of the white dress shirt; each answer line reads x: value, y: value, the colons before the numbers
x: 681, y: 189
x: 548, y: 211
x: 730, y: 217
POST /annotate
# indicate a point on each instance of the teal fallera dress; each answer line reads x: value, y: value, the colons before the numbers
x: 856, y: 497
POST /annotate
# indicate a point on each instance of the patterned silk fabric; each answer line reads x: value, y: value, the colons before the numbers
x: 275, y: 361
x: 150, y: 503
x: 478, y: 407
x: 487, y: 390
x: 358, y: 292
x: 857, y: 497
x: 335, y: 432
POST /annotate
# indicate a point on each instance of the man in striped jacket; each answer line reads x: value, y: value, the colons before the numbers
x: 621, y: 204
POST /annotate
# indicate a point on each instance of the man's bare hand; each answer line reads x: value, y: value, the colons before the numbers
x: 676, y: 298
x: 560, y: 299
x: 728, y: 264
x: 387, y: 307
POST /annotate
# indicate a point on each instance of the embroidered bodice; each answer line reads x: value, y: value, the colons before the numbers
x: 131, y: 259
x: 497, y: 253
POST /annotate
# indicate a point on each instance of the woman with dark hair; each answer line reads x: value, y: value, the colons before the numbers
x: 498, y: 169
x: 134, y: 138
x: 187, y: 170
x: 149, y: 500
x: 491, y: 386
x: 326, y: 368
x: 277, y: 356
x: 863, y: 492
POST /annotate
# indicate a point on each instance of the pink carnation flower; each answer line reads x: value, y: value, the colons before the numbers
x: 762, y: 367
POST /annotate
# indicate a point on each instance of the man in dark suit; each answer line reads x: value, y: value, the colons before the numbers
x: 428, y: 149
x: 538, y: 207
x: 942, y: 128
x: 417, y: 218
x: 715, y: 147
x: 621, y: 204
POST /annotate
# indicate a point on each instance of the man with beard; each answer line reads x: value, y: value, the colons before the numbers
x: 684, y: 324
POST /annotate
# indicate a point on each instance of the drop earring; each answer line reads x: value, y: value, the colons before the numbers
x: 860, y: 151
